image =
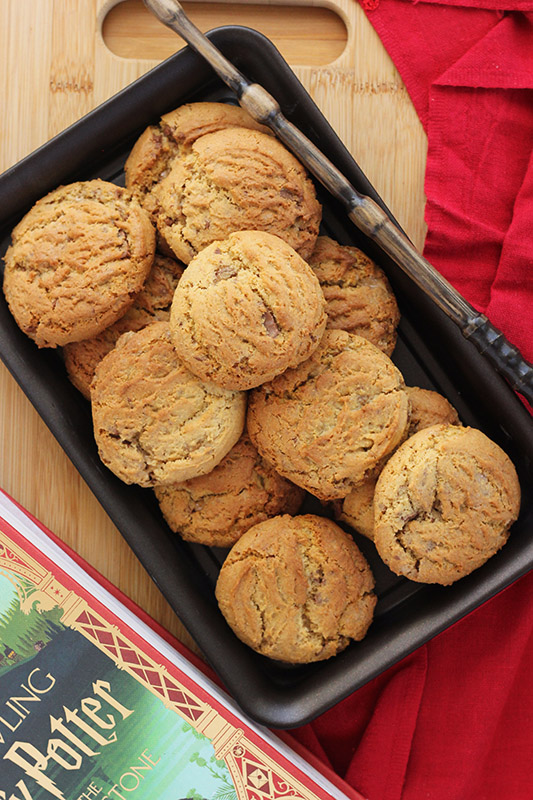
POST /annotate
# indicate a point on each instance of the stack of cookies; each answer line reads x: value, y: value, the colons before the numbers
x: 235, y: 360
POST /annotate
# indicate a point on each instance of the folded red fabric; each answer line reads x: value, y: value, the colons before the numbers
x: 450, y: 722
x: 469, y: 72
x: 453, y: 720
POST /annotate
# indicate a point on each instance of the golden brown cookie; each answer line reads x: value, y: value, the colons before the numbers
x: 152, y: 153
x: 246, y: 308
x: 358, y: 295
x: 150, y: 305
x: 296, y: 589
x: 217, y: 508
x: 330, y: 423
x: 427, y: 408
x: 76, y: 262
x: 357, y: 508
x: 187, y: 123
x: 154, y: 421
x: 232, y: 180
x: 444, y: 504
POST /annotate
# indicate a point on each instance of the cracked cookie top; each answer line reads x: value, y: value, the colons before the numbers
x: 77, y: 260
x: 151, y: 156
x: 152, y: 304
x: 427, y: 408
x: 241, y: 491
x: 296, y: 589
x: 332, y: 421
x: 154, y: 421
x: 358, y: 295
x: 233, y: 180
x: 444, y: 504
x: 246, y: 308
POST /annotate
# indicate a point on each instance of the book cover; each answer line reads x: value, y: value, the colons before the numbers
x: 95, y: 704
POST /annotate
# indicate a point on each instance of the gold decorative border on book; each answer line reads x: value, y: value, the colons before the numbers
x: 255, y: 775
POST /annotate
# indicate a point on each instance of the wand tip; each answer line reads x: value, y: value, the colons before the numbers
x: 164, y: 10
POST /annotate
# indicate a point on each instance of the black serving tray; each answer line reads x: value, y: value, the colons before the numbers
x: 431, y: 352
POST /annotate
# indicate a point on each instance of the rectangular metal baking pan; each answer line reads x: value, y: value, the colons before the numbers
x: 431, y: 353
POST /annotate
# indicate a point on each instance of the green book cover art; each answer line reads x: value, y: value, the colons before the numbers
x: 74, y: 725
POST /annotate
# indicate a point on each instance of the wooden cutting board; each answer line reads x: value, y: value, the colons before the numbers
x: 61, y: 58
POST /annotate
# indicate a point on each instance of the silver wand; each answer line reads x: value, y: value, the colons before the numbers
x: 366, y: 214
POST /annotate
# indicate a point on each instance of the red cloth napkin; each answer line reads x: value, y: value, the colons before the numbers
x: 469, y: 72
x: 454, y: 721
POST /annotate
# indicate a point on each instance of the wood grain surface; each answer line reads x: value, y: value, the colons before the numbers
x: 61, y: 58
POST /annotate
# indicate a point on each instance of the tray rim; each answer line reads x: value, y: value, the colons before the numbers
x: 271, y: 705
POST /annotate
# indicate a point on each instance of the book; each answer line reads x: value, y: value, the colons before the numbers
x: 99, y: 703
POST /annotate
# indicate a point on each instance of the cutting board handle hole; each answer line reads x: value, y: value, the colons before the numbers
x: 304, y: 35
